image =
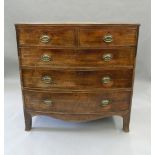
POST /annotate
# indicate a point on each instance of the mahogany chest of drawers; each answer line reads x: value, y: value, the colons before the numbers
x: 77, y: 72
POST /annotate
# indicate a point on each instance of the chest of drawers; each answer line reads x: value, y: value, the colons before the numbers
x: 77, y: 72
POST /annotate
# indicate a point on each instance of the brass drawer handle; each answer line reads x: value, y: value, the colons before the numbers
x: 107, y: 57
x: 46, y: 79
x: 45, y: 58
x: 48, y: 102
x: 44, y: 38
x: 106, y: 79
x: 105, y: 102
x: 108, y: 38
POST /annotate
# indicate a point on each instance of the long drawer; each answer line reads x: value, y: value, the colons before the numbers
x: 77, y: 102
x: 40, y: 57
x: 73, y: 79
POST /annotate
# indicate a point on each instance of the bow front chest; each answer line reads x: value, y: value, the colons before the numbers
x: 77, y: 72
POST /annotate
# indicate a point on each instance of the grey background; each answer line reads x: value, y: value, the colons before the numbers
x: 94, y: 138
x: 106, y: 11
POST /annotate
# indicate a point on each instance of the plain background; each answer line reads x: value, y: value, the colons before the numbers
x: 47, y: 11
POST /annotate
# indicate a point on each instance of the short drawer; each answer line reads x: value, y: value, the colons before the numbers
x: 77, y: 58
x: 72, y: 79
x: 47, y: 36
x: 107, y: 36
x: 79, y: 102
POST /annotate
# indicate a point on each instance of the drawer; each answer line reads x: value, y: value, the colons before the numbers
x: 77, y: 79
x: 107, y: 36
x: 53, y: 37
x: 77, y: 58
x: 79, y: 102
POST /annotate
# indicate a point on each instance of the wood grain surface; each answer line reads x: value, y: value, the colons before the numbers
x: 76, y: 67
x: 72, y: 58
x: 76, y: 103
x: 77, y: 79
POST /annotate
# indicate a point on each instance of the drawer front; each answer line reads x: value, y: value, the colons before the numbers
x: 77, y: 79
x: 77, y: 58
x: 107, y: 37
x: 77, y: 102
x: 53, y: 37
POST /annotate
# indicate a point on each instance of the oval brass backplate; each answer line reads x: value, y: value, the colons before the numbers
x: 45, y: 58
x: 47, y: 79
x: 48, y: 102
x: 44, y: 38
x: 106, y: 79
x: 105, y: 102
x: 107, y: 57
x: 108, y: 38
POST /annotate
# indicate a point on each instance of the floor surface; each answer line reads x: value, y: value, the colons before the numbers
x: 55, y: 137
